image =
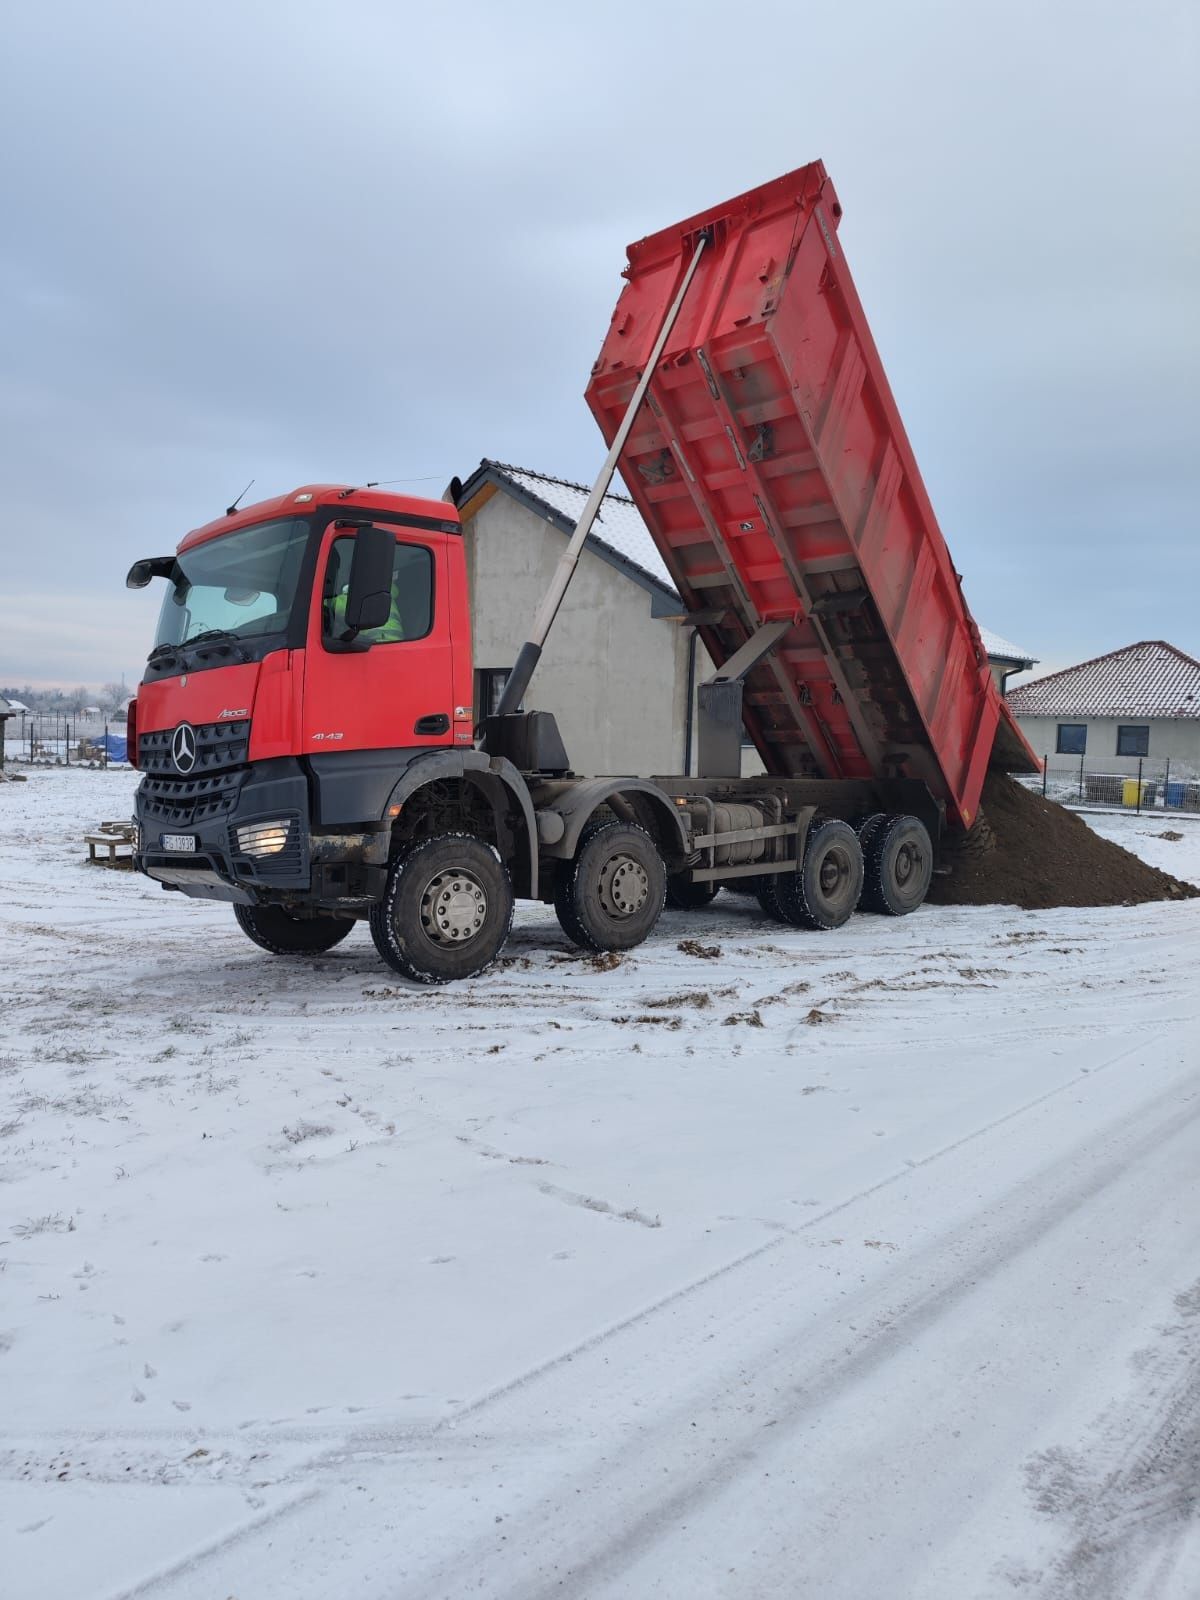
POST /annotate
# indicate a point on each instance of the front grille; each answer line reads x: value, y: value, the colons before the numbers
x: 209, y: 789
x: 190, y: 800
x: 219, y: 746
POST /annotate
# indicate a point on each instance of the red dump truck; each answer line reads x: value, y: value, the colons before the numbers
x: 305, y: 728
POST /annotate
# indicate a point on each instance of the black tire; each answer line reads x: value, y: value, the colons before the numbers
x: 750, y: 886
x: 764, y: 893
x: 899, y: 867
x: 611, y: 895
x: 274, y: 928
x: 825, y: 892
x: 867, y: 827
x: 446, y: 911
x: 685, y: 896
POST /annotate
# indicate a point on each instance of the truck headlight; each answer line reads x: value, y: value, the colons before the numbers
x: 263, y: 838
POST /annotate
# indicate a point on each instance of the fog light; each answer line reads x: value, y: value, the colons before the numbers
x: 263, y: 838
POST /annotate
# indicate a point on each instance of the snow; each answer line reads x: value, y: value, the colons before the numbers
x: 999, y: 648
x: 842, y: 1264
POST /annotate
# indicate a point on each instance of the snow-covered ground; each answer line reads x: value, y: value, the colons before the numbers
x: 855, y: 1265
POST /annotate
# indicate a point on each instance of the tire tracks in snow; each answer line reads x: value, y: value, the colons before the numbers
x: 605, y: 1486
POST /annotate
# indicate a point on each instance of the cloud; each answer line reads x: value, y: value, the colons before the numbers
x: 378, y: 241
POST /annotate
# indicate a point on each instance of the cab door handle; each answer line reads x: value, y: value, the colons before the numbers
x: 438, y: 722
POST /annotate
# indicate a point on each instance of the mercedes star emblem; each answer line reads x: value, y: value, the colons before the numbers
x: 183, y: 747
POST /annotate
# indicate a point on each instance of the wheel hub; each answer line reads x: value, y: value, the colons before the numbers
x: 908, y: 861
x: 453, y: 907
x: 835, y: 869
x: 624, y: 886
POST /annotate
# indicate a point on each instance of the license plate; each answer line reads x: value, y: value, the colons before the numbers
x: 178, y: 841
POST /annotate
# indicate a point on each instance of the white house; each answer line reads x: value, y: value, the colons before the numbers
x: 1138, y: 703
x: 1005, y: 657
x: 619, y: 671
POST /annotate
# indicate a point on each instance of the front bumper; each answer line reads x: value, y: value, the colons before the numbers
x: 338, y: 870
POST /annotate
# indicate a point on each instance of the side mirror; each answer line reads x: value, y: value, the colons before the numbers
x: 369, y: 594
x: 141, y: 572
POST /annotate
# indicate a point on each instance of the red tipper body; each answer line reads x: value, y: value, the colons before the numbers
x: 773, y: 471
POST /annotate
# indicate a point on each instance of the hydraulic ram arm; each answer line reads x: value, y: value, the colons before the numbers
x: 531, y: 650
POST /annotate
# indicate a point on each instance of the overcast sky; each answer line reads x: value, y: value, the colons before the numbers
x: 302, y: 242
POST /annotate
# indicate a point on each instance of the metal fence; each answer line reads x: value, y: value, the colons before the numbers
x: 58, y: 739
x: 1155, y: 786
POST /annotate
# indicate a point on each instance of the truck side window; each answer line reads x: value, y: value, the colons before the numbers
x: 412, y: 594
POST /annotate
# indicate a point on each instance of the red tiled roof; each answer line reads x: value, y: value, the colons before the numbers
x: 1148, y: 679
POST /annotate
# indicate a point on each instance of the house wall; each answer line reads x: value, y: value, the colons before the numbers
x: 613, y: 675
x: 1176, y: 739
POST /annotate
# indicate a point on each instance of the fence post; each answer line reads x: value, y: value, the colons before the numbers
x: 1045, y: 764
x: 1139, y: 793
x: 1166, y: 781
x: 104, y: 760
x: 1081, y: 777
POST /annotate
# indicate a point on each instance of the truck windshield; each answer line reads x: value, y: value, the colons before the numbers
x: 241, y: 583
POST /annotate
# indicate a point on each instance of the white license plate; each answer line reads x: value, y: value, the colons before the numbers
x: 178, y: 841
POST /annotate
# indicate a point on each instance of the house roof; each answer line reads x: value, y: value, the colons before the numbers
x: 620, y: 535
x: 1001, y: 649
x: 618, y: 530
x: 7, y: 709
x: 1148, y: 679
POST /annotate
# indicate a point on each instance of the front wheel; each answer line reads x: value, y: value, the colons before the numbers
x: 275, y: 929
x: 612, y: 894
x: 446, y: 911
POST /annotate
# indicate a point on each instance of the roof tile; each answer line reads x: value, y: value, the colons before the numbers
x: 1148, y: 679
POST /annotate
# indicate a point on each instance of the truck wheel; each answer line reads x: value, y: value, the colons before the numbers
x: 825, y: 891
x: 867, y: 827
x: 274, y: 928
x: 685, y: 896
x: 612, y: 894
x: 446, y: 911
x: 899, y: 865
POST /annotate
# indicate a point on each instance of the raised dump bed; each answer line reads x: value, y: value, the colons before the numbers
x: 773, y: 470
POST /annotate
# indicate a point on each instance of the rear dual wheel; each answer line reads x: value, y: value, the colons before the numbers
x: 824, y: 891
x: 898, y: 866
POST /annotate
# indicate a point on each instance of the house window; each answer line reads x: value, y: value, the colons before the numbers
x: 1133, y: 740
x: 489, y: 686
x: 1072, y: 739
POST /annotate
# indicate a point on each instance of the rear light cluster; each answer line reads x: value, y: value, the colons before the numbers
x: 131, y: 749
x: 263, y: 838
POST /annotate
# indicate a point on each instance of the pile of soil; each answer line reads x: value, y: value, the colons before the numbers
x: 1046, y: 856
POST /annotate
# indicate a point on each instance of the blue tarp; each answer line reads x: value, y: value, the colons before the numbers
x: 114, y: 747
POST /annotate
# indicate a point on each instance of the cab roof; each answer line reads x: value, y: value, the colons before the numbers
x: 303, y: 500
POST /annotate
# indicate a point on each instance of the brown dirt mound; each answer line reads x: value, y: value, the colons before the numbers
x: 1047, y: 856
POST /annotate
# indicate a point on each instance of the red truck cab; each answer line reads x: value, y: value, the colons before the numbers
x: 270, y: 733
